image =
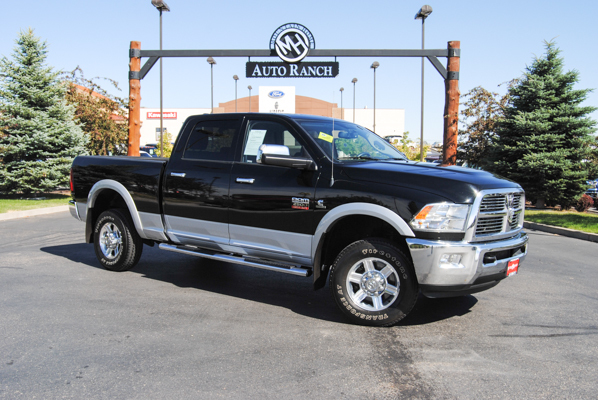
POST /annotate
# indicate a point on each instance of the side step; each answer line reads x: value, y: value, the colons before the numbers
x: 277, y: 267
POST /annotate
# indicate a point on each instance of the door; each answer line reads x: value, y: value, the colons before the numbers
x: 272, y: 207
x: 196, y: 183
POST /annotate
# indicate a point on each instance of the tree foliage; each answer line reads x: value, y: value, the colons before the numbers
x: 545, y: 139
x: 481, y: 113
x: 167, y: 151
x: 410, y: 149
x: 102, y: 116
x: 39, y: 138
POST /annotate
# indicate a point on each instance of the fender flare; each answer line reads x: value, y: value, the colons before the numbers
x: 368, y: 209
x: 124, y: 193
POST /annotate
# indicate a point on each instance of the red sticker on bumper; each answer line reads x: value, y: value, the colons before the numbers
x: 513, y: 267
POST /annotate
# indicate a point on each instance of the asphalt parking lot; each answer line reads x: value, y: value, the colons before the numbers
x: 181, y: 327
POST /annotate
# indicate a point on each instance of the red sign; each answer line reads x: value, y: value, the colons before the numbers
x: 513, y: 267
x: 166, y: 115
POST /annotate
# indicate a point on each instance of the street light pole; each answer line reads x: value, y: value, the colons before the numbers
x: 374, y: 66
x: 249, y: 87
x: 236, y: 78
x: 211, y: 61
x: 354, y: 80
x: 342, y: 112
x: 161, y: 6
x: 422, y: 14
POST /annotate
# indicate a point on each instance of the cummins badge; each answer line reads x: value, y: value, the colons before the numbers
x: 292, y: 42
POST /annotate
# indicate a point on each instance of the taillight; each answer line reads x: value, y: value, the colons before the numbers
x: 72, y: 189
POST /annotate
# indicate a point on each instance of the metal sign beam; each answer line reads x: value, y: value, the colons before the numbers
x: 451, y: 78
x: 431, y: 54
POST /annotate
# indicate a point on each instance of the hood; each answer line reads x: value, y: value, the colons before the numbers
x: 457, y: 184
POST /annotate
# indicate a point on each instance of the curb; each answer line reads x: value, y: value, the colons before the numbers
x: 591, y: 237
x: 31, y: 213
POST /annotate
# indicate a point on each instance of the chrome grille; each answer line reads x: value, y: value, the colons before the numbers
x: 493, y: 202
x: 499, y: 214
x: 489, y: 225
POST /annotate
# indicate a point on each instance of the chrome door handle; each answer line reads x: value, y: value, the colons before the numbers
x: 178, y: 174
x: 245, y: 180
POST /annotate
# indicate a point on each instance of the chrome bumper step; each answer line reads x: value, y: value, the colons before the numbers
x: 253, y: 262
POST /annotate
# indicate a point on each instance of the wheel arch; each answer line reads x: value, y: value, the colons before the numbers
x: 107, y: 194
x: 351, y: 222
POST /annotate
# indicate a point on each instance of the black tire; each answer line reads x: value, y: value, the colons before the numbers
x: 373, y: 283
x: 118, y: 246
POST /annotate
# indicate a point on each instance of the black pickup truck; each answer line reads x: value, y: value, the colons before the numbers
x: 309, y: 196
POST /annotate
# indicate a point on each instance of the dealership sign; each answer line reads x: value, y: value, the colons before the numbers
x: 166, y: 115
x: 292, y: 43
x: 285, y: 70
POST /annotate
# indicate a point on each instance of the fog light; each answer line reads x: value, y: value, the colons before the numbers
x: 451, y: 261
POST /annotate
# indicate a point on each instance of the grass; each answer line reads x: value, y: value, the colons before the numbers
x: 20, y: 203
x: 584, y: 222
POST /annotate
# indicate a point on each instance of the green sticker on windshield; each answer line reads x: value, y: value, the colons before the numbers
x: 325, y: 137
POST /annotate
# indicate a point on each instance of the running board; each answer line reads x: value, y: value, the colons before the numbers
x: 290, y: 269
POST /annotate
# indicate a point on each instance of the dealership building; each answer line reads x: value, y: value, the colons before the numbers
x: 274, y: 99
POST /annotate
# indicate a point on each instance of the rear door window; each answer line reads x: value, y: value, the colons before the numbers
x: 211, y: 140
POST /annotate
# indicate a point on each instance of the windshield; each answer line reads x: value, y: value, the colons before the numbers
x: 351, y: 141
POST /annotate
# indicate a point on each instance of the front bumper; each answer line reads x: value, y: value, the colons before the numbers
x: 481, y: 265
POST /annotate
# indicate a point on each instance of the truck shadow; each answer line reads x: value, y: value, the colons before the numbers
x: 272, y: 288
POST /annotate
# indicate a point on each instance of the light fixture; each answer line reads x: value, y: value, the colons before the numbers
x: 342, y: 113
x: 249, y: 87
x: 211, y: 61
x: 161, y: 6
x: 236, y: 78
x: 422, y: 14
x: 374, y: 66
x: 354, y: 81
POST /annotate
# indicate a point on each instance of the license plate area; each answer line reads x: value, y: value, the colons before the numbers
x: 513, y: 267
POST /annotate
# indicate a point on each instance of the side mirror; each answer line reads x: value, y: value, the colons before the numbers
x: 274, y: 154
x: 272, y: 149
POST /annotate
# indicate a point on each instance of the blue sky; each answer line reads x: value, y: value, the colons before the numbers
x: 498, y: 40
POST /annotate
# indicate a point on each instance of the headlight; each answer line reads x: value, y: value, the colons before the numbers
x: 441, y: 217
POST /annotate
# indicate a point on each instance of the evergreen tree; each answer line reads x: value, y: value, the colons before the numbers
x: 39, y: 138
x: 545, y: 139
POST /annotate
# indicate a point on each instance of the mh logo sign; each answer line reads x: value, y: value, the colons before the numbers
x: 292, y: 42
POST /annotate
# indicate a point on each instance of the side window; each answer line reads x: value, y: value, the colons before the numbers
x: 268, y: 132
x: 211, y: 140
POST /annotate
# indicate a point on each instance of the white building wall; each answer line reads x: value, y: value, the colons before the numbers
x: 150, y: 127
x: 389, y: 122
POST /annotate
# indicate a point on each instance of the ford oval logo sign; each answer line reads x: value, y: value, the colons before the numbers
x: 276, y: 94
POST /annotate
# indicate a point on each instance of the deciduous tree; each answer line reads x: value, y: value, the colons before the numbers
x: 481, y: 113
x: 102, y: 116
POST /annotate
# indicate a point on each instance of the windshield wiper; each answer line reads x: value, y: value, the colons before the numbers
x: 358, y: 158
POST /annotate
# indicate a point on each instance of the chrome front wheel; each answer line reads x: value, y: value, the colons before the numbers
x: 373, y: 284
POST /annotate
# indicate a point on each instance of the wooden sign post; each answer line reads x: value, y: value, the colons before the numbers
x: 134, y: 99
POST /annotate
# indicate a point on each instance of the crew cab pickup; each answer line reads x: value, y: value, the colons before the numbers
x: 310, y: 196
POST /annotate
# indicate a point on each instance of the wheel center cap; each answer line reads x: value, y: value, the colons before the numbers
x: 111, y: 241
x: 373, y: 283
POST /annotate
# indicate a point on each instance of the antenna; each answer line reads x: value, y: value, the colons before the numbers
x: 332, y: 147
x: 332, y: 155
